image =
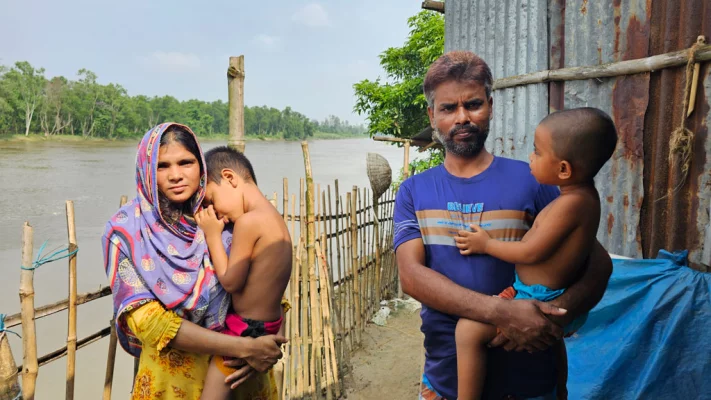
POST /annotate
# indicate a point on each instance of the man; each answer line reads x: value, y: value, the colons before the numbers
x: 473, y: 186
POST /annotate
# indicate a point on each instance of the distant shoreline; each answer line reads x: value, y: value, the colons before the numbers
x: 32, y: 138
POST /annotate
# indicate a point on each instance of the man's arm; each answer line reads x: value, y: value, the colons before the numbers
x: 522, y: 321
x: 583, y: 295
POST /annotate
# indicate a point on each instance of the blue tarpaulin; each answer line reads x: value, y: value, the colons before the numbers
x: 649, y: 337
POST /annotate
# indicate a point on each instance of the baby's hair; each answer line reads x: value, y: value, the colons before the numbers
x: 223, y: 157
x: 585, y: 137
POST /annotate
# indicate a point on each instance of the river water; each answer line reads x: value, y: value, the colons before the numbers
x: 36, y: 178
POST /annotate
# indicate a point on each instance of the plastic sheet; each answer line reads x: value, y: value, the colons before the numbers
x: 649, y: 337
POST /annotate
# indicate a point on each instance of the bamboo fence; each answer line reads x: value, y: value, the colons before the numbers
x: 343, y: 264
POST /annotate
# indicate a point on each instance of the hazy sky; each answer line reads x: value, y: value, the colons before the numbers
x: 302, y: 54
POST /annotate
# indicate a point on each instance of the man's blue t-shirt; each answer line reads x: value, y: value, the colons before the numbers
x: 433, y: 205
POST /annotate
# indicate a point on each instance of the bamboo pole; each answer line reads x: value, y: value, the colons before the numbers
x: 306, y: 333
x: 113, y: 340
x: 378, y: 255
x: 390, y: 139
x: 61, y: 352
x: 354, y: 265
x: 9, y: 384
x: 348, y: 284
x: 316, y: 322
x: 327, y: 305
x: 235, y: 93
x: 363, y: 264
x: 609, y: 70
x: 406, y: 160
x: 72, y: 314
x: 285, y: 201
x: 50, y: 309
x: 27, y: 300
x: 299, y: 362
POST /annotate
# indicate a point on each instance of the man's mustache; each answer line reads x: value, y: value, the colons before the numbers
x: 469, y: 128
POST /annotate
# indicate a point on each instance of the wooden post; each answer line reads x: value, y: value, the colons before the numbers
x: 285, y: 201
x: 235, y: 86
x: 30, y: 365
x: 72, y: 309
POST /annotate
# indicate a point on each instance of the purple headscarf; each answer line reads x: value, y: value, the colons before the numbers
x: 149, y: 259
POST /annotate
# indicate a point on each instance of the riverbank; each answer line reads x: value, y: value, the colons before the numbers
x: 76, y: 138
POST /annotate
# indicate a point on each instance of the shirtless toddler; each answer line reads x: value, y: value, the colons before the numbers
x: 570, y: 147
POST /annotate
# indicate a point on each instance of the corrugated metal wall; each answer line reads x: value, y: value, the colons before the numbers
x: 516, y: 37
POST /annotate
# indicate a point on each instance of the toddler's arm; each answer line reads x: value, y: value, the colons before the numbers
x: 231, y: 272
x: 564, y: 216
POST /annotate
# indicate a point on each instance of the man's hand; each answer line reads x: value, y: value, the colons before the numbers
x: 243, y: 372
x: 265, y: 352
x: 207, y: 221
x: 524, y: 326
x: 472, y: 242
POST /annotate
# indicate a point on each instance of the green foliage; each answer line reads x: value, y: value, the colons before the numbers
x: 84, y: 108
x: 433, y: 158
x: 397, y: 106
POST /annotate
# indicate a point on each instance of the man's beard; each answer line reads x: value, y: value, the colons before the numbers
x: 470, y: 147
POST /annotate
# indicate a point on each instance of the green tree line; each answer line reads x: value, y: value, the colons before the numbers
x: 31, y: 103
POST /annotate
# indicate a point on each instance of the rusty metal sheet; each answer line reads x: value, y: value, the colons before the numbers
x: 511, y: 36
x: 677, y: 219
x: 595, y: 33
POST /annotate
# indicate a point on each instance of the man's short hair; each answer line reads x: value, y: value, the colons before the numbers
x: 586, y: 137
x: 223, y: 157
x: 460, y: 66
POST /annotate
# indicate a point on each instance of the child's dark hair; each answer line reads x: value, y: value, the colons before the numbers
x: 585, y: 137
x: 223, y: 157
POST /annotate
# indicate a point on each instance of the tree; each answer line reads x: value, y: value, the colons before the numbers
x: 28, y: 83
x: 397, y: 106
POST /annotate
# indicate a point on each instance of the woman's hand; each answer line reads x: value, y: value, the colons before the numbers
x: 207, y: 221
x: 243, y: 372
x: 264, y: 352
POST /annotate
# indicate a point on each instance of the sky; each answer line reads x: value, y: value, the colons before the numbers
x: 302, y: 54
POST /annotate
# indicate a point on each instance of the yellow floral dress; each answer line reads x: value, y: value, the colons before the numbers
x: 166, y: 373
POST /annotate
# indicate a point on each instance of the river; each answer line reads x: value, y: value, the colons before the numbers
x: 36, y: 178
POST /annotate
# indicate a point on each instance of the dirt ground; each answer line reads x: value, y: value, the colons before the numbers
x: 389, y: 364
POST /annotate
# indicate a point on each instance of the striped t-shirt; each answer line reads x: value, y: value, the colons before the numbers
x: 504, y: 200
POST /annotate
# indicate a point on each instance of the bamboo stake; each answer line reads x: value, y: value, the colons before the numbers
x: 274, y: 200
x: 378, y: 256
x: 27, y: 300
x: 306, y: 334
x: 317, y: 349
x: 298, y: 378
x: 9, y: 384
x: 348, y: 284
x: 354, y: 265
x: 327, y: 305
x: 72, y: 317
x: 285, y: 205
x: 113, y: 340
x: 318, y: 215
x: 363, y: 259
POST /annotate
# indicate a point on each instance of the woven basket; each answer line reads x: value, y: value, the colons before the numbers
x: 379, y: 174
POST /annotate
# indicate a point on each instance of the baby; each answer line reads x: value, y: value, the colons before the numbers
x: 570, y: 147
x: 258, y: 268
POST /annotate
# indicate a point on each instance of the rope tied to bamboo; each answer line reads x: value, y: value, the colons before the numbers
x: 2, y: 327
x: 682, y: 139
x: 55, y: 256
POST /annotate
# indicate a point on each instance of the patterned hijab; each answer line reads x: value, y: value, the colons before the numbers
x: 150, y: 259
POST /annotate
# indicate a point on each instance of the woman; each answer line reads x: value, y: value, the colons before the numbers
x: 167, y: 300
